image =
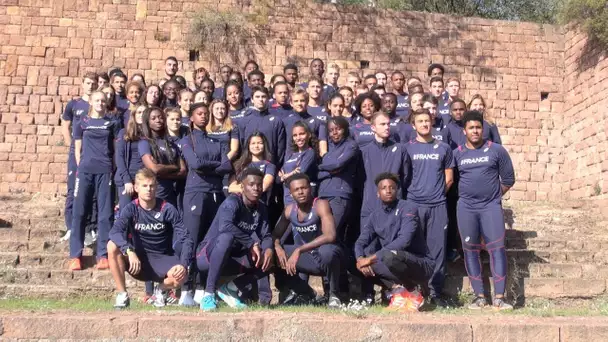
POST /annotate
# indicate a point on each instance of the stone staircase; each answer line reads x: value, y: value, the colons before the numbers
x: 554, y: 250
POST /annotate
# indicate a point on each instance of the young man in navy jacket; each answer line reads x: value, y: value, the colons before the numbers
x: 238, y: 242
x: 391, y: 249
x: 149, y: 241
x: 382, y: 155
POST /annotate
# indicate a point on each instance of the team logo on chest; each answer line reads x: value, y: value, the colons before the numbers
x: 157, y: 215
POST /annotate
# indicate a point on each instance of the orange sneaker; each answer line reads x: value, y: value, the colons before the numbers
x: 102, y: 264
x: 405, y: 301
x: 75, y: 265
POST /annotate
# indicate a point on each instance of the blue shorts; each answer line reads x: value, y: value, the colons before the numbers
x: 154, y: 267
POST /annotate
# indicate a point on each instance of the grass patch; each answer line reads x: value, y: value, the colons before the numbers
x: 535, y: 307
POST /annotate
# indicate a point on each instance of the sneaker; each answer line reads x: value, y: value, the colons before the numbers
x: 230, y: 296
x: 187, y: 299
x: 160, y: 297
x: 90, y: 238
x: 334, y: 302
x: 417, y: 299
x: 499, y: 304
x: 401, y: 301
x: 208, y: 303
x: 172, y: 298
x: 122, y: 300
x: 198, y: 295
x: 291, y: 298
x: 75, y: 264
x: 66, y: 236
x: 148, y: 299
x: 478, y: 303
x: 102, y: 264
x: 439, y: 302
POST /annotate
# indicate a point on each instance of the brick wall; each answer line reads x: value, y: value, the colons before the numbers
x: 585, y: 124
x: 46, y: 45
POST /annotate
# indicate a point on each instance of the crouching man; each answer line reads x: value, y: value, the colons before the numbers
x: 391, y: 250
x: 149, y: 241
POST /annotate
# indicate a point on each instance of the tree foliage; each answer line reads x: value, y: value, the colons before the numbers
x: 591, y: 15
x: 542, y: 11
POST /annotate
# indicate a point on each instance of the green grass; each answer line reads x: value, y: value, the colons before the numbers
x: 536, y: 307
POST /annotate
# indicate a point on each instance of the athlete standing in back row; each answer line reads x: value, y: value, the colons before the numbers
x: 486, y: 174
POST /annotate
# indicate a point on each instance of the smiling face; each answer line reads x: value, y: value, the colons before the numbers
x: 300, y: 137
x: 134, y: 94
x: 233, y: 95
x: 256, y: 146
x: 336, y: 106
x: 219, y: 111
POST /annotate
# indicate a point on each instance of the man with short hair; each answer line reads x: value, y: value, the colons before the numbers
x: 398, y: 85
x: 238, y: 243
x: 381, y: 155
x: 485, y: 174
x: 118, y: 82
x: 391, y: 249
x: 290, y: 71
x: 74, y: 111
x: 432, y: 176
x: 149, y: 241
x: 315, y: 99
x: 370, y: 81
x: 171, y: 67
x: 314, y: 234
x: 381, y: 78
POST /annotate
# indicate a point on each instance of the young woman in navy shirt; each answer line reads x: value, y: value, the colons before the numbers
x: 94, y: 151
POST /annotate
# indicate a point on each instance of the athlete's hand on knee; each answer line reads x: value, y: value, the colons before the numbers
x: 134, y: 263
x: 292, y: 262
x: 367, y: 271
x: 256, y: 255
x: 129, y: 189
x: 267, y: 259
x: 362, y: 262
x: 178, y: 272
x: 281, y: 256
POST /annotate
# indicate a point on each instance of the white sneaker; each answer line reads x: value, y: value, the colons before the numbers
x: 160, y: 297
x: 122, y: 300
x: 198, y: 295
x: 65, y: 237
x: 186, y: 299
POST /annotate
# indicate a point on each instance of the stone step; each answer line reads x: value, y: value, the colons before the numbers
x: 99, y: 284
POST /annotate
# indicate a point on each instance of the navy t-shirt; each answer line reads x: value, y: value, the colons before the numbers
x: 429, y: 162
x: 97, y: 135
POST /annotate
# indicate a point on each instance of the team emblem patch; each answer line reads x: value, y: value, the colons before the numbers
x: 192, y: 208
x: 157, y: 215
x: 394, y: 149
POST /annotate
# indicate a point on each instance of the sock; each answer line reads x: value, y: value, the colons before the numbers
x: 208, y: 294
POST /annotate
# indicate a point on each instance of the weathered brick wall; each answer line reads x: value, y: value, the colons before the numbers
x: 46, y: 45
x: 585, y: 124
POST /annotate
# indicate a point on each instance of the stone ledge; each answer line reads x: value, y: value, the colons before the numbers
x: 306, y: 326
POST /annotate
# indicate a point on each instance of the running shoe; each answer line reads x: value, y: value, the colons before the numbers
x: 198, y: 295
x: 499, y: 304
x: 160, y: 297
x: 334, y: 303
x: 75, y: 264
x: 187, y: 299
x: 122, y: 300
x: 478, y: 303
x: 172, y: 298
x: 230, y: 296
x: 208, y: 303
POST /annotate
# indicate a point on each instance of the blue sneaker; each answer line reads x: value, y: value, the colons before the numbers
x: 230, y: 296
x: 208, y: 303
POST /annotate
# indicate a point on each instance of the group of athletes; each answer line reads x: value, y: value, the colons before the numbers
x: 204, y: 191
